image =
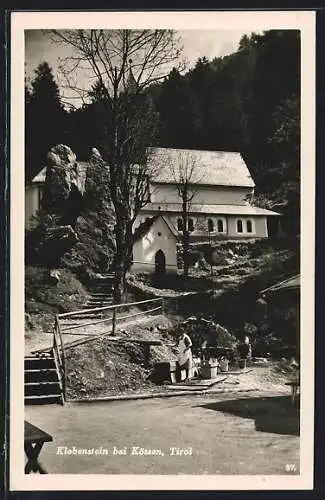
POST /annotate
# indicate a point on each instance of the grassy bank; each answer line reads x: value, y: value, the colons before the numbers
x: 45, y: 297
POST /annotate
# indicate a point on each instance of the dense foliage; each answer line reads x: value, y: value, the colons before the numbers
x: 248, y: 101
x: 44, y: 119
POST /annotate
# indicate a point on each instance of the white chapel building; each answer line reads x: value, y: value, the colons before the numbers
x: 220, y: 185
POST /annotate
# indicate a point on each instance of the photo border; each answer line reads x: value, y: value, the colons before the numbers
x: 17, y: 295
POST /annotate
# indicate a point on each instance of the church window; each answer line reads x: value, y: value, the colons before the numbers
x: 210, y: 225
x: 190, y: 225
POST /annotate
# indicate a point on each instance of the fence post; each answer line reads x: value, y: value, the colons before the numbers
x: 114, y: 321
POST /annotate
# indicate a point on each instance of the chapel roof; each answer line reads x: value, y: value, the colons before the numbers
x: 211, y: 168
x: 243, y: 210
x: 216, y: 168
x: 145, y: 226
x: 82, y: 170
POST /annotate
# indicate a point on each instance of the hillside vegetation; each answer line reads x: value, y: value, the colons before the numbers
x: 247, y: 101
x: 45, y: 297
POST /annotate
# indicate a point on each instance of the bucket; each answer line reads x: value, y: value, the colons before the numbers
x: 224, y: 365
x: 208, y: 370
x: 242, y: 363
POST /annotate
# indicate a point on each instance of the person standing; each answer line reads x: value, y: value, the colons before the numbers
x: 245, y: 351
x: 184, y: 358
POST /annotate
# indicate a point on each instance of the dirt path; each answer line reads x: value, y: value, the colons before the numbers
x: 43, y: 340
x: 223, y: 434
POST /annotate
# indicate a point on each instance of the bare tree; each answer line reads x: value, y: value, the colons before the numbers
x: 184, y: 171
x: 124, y: 63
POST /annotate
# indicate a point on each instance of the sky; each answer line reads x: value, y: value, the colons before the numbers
x: 196, y: 43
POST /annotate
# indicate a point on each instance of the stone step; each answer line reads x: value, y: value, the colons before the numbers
x: 44, y: 388
x: 37, y: 363
x: 43, y: 400
x: 97, y: 303
x: 99, y: 298
x: 42, y: 384
x: 39, y: 375
x: 100, y: 294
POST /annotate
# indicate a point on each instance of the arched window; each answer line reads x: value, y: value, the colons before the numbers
x: 239, y: 226
x: 179, y: 224
x: 210, y: 225
x: 190, y: 225
x: 249, y: 226
x: 220, y: 226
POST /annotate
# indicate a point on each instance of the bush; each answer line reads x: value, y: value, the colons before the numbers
x: 42, y: 294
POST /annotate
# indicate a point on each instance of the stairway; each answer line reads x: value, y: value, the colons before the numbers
x: 101, y: 295
x: 41, y: 384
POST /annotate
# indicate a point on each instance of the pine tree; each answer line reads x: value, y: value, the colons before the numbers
x: 87, y: 125
x: 44, y: 121
x: 179, y: 112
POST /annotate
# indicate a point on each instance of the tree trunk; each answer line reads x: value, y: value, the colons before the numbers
x: 186, y: 245
x: 119, y: 281
x: 123, y: 258
x: 185, y: 237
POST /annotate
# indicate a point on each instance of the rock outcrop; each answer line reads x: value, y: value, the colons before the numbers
x: 77, y: 221
x: 64, y: 184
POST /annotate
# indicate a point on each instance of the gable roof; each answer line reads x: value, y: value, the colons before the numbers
x: 216, y: 168
x: 216, y: 209
x: 211, y: 168
x: 40, y: 177
x: 82, y: 170
x: 145, y: 226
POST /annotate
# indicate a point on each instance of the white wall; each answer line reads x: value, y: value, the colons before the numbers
x: 201, y: 223
x: 207, y: 195
x: 32, y: 203
x: 259, y: 227
x: 145, y: 248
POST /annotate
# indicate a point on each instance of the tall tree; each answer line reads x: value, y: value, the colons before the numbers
x: 202, y: 83
x: 125, y: 63
x: 87, y: 123
x: 284, y: 168
x: 44, y: 120
x: 178, y: 108
x: 184, y: 170
x: 276, y: 78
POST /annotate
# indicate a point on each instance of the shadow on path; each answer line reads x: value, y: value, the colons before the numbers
x: 271, y: 414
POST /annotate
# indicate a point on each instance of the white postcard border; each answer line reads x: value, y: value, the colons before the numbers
x: 250, y: 21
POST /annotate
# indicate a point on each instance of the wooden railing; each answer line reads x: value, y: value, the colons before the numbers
x: 114, y: 318
x: 59, y: 355
x: 60, y: 329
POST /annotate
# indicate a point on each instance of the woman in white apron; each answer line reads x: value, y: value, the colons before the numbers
x: 185, y: 354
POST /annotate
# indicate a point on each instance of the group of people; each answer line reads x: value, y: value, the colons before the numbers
x: 185, y: 360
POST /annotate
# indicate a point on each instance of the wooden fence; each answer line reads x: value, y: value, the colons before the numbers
x: 60, y: 329
x: 59, y: 356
